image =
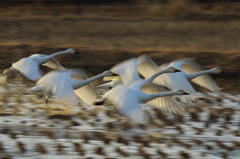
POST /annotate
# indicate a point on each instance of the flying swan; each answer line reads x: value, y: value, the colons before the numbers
x: 129, y: 95
x: 61, y: 84
x: 29, y: 66
x: 190, y: 71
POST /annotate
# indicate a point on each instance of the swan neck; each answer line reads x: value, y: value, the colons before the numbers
x: 48, y: 57
x: 87, y: 81
x: 57, y: 53
x: 156, y: 75
x: 162, y: 94
x: 194, y: 75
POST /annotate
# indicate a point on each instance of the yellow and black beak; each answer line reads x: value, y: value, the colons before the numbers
x: 184, y: 93
x: 76, y: 52
x: 220, y: 70
x: 175, y: 70
x: 113, y: 74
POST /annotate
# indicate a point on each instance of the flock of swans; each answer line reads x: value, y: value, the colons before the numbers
x: 129, y: 84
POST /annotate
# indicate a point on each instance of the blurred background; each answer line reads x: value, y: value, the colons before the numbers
x: 109, y: 31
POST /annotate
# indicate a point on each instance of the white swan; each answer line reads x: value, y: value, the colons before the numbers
x: 128, y: 101
x: 190, y: 71
x: 128, y: 75
x: 129, y: 95
x: 29, y: 66
x: 61, y: 85
x: 88, y: 94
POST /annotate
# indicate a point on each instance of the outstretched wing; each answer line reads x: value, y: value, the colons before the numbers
x: 190, y: 66
x: 166, y: 103
x: 172, y: 81
x: 29, y: 68
x: 86, y: 93
x: 127, y: 71
x: 58, y: 84
x: 125, y: 100
x: 54, y: 64
x: 147, y: 68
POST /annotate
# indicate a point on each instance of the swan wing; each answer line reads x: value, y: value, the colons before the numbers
x: 126, y: 102
x: 87, y: 93
x: 166, y: 103
x: 190, y: 66
x: 59, y: 84
x: 54, y: 64
x: 127, y: 71
x: 207, y: 82
x: 163, y: 66
x: 109, y: 85
x: 29, y: 68
x: 111, y: 78
x: 172, y: 81
x: 147, y: 67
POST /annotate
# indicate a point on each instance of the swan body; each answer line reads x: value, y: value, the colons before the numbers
x: 190, y: 71
x: 62, y: 85
x: 129, y: 95
x: 129, y: 101
x: 29, y: 66
x: 129, y: 76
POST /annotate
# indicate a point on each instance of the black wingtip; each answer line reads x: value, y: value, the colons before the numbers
x: 98, y: 103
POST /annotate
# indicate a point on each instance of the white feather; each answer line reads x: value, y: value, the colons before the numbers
x: 29, y: 68
x: 178, y: 80
x: 62, y: 84
x: 127, y: 102
x: 58, y: 84
x: 86, y: 93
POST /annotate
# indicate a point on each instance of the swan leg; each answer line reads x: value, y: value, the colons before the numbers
x: 48, y: 107
x: 38, y: 95
x: 47, y: 97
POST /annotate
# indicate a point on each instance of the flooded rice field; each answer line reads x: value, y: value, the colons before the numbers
x: 32, y: 128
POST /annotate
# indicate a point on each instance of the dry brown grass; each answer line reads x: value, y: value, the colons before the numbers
x: 121, y: 32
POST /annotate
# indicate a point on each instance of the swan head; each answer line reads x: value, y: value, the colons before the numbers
x: 182, y: 92
x: 109, y: 73
x: 72, y: 51
x: 172, y: 70
x: 216, y: 70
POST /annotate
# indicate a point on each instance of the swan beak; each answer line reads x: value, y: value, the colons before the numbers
x: 220, y: 71
x: 76, y: 52
x: 113, y: 74
x: 176, y: 70
x: 184, y: 93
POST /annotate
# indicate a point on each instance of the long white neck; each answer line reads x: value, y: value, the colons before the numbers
x: 48, y: 57
x: 150, y: 79
x: 87, y: 81
x: 194, y: 75
x: 162, y: 94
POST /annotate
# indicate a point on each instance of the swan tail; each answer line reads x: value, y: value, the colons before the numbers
x: 36, y: 88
